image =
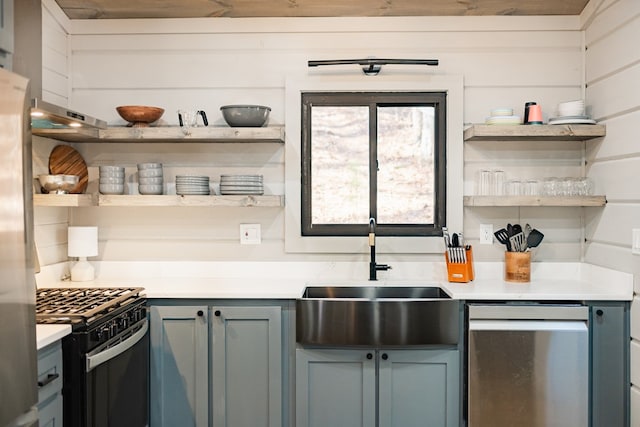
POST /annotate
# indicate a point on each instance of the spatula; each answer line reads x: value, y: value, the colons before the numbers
x: 534, y: 238
x: 502, y: 236
x: 518, y: 243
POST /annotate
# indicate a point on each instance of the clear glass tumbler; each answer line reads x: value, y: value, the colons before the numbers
x: 498, y: 182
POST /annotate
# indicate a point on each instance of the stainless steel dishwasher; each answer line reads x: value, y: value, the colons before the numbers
x: 528, y: 365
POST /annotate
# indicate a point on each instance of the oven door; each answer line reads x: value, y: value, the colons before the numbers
x: 116, y: 382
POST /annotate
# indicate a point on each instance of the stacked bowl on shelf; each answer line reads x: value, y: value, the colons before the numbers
x: 503, y: 116
x: 150, y: 178
x: 241, y: 184
x: 192, y: 185
x: 111, y: 179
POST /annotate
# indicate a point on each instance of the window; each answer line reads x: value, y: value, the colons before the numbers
x: 373, y: 154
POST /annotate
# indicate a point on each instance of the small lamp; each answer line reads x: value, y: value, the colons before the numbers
x: 83, y: 243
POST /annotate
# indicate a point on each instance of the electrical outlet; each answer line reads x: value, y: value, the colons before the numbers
x: 635, y: 241
x: 486, y: 234
x: 250, y: 234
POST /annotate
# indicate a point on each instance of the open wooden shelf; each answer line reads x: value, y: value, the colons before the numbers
x: 127, y: 200
x: 480, y: 201
x: 481, y: 132
x: 169, y: 134
x: 70, y: 200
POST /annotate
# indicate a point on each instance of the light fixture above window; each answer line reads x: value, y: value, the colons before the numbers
x: 372, y: 66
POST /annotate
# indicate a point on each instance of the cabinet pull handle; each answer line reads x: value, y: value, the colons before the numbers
x: 599, y: 312
x: 50, y: 378
x: 385, y: 356
x: 217, y: 313
x: 369, y: 356
x: 200, y: 313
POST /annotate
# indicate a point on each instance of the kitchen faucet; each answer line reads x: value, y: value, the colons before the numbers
x: 373, y: 267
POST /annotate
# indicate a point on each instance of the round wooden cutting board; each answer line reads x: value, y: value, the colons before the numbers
x: 65, y: 160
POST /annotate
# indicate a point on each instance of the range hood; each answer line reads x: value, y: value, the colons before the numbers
x: 27, y: 61
x: 45, y: 115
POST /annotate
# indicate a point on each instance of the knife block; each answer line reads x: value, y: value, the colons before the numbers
x: 460, y: 272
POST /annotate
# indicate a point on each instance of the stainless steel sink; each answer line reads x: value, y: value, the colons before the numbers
x: 378, y: 316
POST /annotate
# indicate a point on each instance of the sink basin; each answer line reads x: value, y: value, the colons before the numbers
x: 375, y: 292
x: 378, y: 316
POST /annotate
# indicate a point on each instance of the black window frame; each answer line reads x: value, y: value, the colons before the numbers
x: 373, y: 99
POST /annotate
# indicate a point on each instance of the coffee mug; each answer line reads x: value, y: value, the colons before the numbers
x: 535, y: 115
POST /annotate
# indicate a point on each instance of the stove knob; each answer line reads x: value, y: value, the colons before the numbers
x: 124, y: 322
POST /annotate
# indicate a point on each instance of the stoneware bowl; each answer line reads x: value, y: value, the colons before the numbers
x: 245, y: 115
x: 140, y: 115
x: 58, y: 184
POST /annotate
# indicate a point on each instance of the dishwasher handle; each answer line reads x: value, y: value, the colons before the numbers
x: 528, y: 312
x: 528, y: 325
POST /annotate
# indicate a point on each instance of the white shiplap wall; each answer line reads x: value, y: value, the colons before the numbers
x: 51, y: 222
x: 612, y: 76
x: 206, y: 63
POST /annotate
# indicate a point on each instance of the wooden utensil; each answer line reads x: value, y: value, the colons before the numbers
x: 65, y: 160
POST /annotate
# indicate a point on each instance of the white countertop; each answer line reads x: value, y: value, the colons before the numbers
x: 48, y: 334
x: 550, y: 281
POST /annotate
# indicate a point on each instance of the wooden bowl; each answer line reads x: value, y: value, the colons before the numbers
x: 140, y: 115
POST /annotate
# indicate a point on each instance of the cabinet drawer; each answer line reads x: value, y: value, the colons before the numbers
x: 635, y: 363
x: 49, y: 371
x: 635, y: 318
x: 635, y: 406
x: 50, y: 411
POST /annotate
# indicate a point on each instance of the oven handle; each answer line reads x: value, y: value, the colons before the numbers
x: 98, y: 359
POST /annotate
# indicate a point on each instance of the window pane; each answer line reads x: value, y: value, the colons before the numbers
x: 406, y: 165
x: 340, y: 165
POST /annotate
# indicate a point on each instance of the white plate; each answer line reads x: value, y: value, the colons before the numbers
x: 572, y: 122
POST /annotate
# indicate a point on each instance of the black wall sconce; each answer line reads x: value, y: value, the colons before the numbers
x: 372, y: 66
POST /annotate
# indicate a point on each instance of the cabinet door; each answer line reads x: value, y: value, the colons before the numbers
x: 246, y: 366
x: 335, y: 388
x: 6, y: 26
x: 609, y: 365
x: 179, y: 377
x: 419, y: 388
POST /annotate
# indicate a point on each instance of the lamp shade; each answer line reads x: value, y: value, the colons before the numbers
x: 83, y: 241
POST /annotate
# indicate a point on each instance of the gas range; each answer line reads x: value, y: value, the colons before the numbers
x: 81, y: 305
x: 105, y: 358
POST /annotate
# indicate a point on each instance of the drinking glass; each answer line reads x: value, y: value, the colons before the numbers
x: 498, y: 182
x: 486, y: 182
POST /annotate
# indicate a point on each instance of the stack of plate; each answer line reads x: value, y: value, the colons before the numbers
x: 111, y: 179
x: 571, y: 112
x: 192, y: 185
x: 503, y: 116
x: 150, y: 178
x: 241, y: 184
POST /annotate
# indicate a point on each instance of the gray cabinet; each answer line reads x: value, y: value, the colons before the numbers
x: 610, y: 340
x: 246, y: 366
x: 179, y: 377
x: 414, y: 387
x: 216, y: 365
x: 6, y: 33
x: 50, y: 385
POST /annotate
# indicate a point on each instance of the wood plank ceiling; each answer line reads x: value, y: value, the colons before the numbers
x: 123, y: 9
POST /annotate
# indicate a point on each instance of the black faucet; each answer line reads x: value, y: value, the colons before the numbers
x: 373, y: 267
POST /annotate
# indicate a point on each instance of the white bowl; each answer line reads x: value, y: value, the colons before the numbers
x: 150, y: 173
x: 105, y: 168
x: 111, y: 188
x: 111, y: 174
x: 111, y: 180
x: 150, y: 189
x: 150, y: 181
x: 142, y: 166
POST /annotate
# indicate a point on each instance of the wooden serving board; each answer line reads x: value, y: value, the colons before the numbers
x: 65, y: 160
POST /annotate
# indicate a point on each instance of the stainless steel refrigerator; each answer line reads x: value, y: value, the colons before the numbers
x: 18, y: 358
